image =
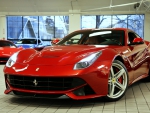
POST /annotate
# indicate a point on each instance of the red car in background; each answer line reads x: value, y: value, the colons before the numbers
x: 7, y: 48
x: 85, y: 64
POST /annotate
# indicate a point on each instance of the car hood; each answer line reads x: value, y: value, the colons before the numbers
x: 60, y: 55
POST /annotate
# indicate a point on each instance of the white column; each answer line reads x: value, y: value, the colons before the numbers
x: 147, y: 27
x: 3, y: 27
x: 74, y: 20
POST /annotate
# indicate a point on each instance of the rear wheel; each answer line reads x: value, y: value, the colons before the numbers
x: 117, y: 81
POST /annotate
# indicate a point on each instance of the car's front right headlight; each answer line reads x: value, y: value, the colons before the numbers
x: 11, y: 61
x: 87, y: 61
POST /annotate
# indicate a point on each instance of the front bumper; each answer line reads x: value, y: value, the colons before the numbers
x: 51, y: 81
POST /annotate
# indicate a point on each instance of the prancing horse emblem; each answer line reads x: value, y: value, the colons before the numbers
x: 35, y: 82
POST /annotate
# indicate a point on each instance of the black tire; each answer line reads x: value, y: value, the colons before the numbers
x: 117, y: 82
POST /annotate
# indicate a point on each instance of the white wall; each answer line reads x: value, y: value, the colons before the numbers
x: 147, y: 27
x: 3, y: 27
x: 74, y: 21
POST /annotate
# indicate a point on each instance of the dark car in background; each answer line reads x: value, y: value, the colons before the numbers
x: 31, y: 43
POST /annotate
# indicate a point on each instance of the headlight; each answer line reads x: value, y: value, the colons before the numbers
x: 86, y: 62
x: 12, y: 60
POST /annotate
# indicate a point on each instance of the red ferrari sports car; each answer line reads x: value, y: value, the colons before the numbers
x: 7, y: 48
x: 85, y: 64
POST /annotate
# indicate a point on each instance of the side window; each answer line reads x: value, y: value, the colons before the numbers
x: 131, y: 37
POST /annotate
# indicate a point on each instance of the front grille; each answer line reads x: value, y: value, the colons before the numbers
x: 37, y: 95
x: 44, y: 83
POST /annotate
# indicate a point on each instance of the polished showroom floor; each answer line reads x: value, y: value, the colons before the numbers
x: 136, y: 100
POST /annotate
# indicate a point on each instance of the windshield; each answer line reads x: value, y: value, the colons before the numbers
x: 28, y: 41
x: 97, y: 37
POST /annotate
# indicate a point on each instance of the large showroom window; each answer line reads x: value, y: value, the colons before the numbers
x: 119, y: 21
x: 134, y: 22
x: 101, y: 21
x: 14, y: 27
x: 88, y: 22
x: 29, y: 27
x: 43, y: 27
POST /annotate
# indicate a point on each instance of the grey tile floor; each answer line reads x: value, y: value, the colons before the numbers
x: 136, y: 100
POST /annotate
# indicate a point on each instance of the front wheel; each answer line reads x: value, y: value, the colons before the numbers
x: 117, y: 81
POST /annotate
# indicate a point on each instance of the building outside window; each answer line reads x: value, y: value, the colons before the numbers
x: 49, y: 27
x: 133, y: 22
x: 43, y: 27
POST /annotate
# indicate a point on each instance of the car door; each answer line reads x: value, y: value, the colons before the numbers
x: 138, y: 56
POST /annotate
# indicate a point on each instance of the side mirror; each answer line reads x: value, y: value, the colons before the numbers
x: 55, y: 41
x: 137, y: 41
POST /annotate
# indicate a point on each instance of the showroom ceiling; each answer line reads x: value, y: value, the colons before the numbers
x: 82, y: 6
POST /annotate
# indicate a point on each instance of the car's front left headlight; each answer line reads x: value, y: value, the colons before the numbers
x: 11, y: 61
x: 87, y: 61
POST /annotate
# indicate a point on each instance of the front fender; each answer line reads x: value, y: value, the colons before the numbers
x: 109, y: 55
